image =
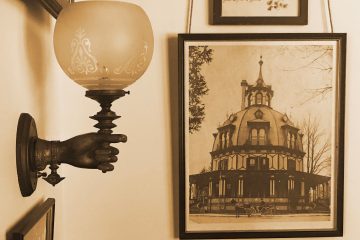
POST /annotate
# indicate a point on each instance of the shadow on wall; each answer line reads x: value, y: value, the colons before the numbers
x: 38, y: 48
x: 36, y: 45
x: 174, y: 109
x: 30, y: 212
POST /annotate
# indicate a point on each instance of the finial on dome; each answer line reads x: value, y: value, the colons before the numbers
x: 260, y: 80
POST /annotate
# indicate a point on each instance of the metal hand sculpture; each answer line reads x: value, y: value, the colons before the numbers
x: 83, y: 151
x: 91, y: 150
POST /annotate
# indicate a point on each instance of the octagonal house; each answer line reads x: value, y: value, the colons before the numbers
x: 258, y: 155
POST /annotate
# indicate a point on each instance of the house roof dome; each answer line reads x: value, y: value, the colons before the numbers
x: 244, y: 121
x: 256, y: 113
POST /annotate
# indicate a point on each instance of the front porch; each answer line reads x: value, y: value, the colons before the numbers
x: 282, y: 191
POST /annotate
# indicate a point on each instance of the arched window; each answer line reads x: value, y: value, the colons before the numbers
x: 227, y: 139
x: 223, y: 140
x: 262, y: 136
x: 223, y: 165
x: 297, y: 165
x: 220, y: 141
x: 267, y: 100
x: 254, y: 136
x: 292, y: 141
x: 258, y: 98
x: 258, y: 136
x: 289, y: 140
x: 252, y: 99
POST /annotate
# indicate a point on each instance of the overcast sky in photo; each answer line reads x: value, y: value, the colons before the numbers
x: 287, y: 68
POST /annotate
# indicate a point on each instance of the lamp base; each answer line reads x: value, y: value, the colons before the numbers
x: 25, y: 145
x: 105, y: 117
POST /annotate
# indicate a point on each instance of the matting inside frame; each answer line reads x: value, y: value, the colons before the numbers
x: 260, y: 8
x: 303, y: 77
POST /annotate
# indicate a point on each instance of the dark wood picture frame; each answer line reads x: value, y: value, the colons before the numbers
x: 46, y: 209
x: 340, y: 39
x: 55, y: 6
x: 218, y: 19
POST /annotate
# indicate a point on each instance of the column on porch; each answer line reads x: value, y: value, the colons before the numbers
x: 322, y: 195
x: 240, y: 190
x: 272, y: 186
x: 302, y: 188
x: 210, y: 188
x: 327, y: 187
x: 222, y: 186
x: 193, y: 191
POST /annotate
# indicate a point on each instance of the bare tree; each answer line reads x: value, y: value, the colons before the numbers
x: 206, y: 169
x: 314, y: 56
x: 198, y: 55
x: 317, y: 147
x: 319, y: 57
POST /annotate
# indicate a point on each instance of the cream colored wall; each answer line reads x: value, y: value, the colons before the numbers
x: 139, y: 199
x: 26, y: 64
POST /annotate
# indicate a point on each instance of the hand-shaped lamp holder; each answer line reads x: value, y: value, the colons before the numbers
x: 104, y: 56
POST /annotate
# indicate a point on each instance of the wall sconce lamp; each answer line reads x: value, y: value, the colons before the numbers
x: 104, y: 46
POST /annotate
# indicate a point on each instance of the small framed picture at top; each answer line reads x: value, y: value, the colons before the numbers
x: 261, y: 135
x: 260, y: 12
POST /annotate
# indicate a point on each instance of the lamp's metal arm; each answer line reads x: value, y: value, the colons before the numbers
x: 91, y: 150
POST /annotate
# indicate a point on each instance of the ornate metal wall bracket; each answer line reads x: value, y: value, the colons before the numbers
x: 91, y: 150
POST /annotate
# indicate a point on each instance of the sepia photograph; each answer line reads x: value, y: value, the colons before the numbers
x: 260, y: 12
x: 262, y: 134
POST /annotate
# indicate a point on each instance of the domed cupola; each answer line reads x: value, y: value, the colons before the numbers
x: 258, y: 94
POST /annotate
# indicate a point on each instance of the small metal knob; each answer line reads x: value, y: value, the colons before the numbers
x: 54, y: 178
x: 41, y: 174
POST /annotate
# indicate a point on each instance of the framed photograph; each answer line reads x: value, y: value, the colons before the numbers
x: 38, y: 224
x: 261, y: 135
x: 260, y: 12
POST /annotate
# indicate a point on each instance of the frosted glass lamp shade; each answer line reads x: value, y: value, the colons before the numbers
x: 103, y: 45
